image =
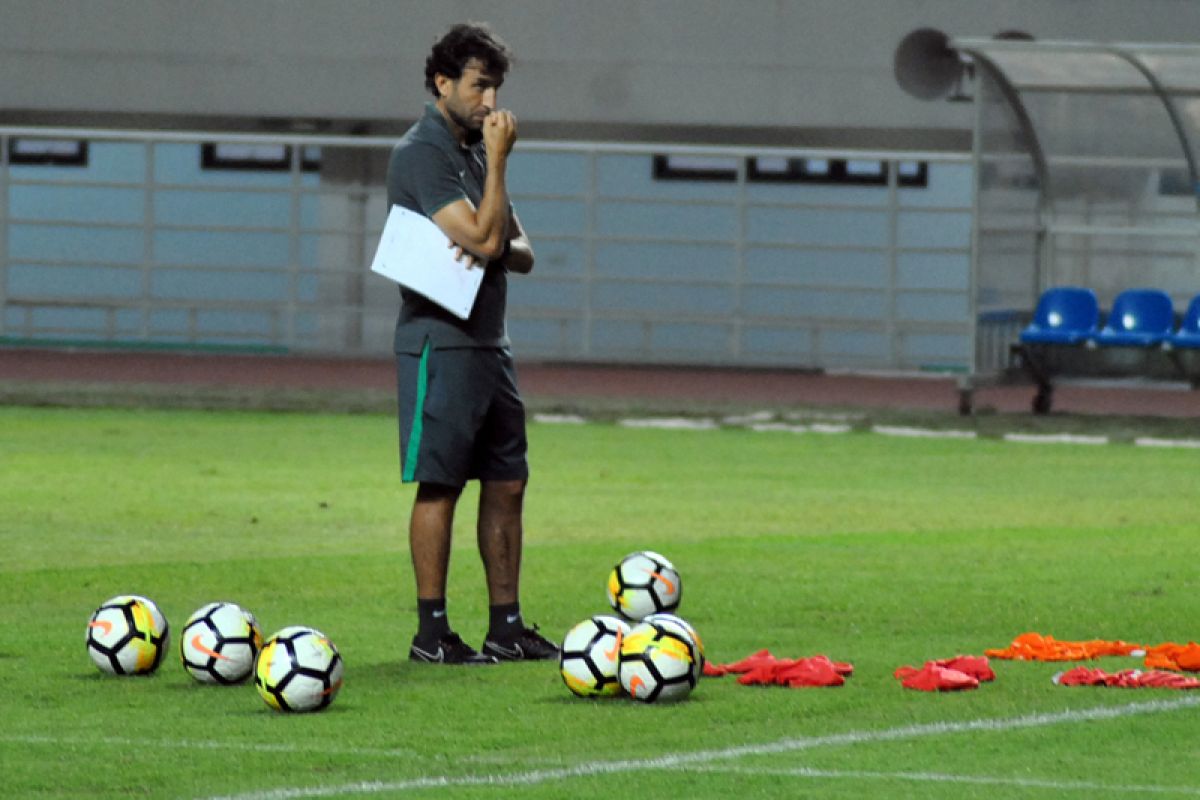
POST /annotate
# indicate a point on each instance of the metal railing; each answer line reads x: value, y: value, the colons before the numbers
x: 147, y: 248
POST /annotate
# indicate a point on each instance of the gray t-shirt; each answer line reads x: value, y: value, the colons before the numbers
x: 427, y: 171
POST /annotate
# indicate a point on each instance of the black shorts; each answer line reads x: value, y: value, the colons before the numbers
x: 461, y: 416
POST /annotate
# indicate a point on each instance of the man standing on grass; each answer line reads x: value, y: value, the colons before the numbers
x: 461, y: 416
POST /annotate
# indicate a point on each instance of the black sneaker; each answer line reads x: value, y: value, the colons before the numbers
x: 528, y: 645
x: 451, y: 649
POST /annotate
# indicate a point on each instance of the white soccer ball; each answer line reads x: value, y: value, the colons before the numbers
x: 589, y: 656
x: 298, y: 669
x: 219, y: 643
x: 659, y: 662
x: 644, y: 583
x: 127, y: 635
x: 679, y: 624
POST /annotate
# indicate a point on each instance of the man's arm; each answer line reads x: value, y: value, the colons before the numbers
x: 520, y: 251
x: 483, y: 231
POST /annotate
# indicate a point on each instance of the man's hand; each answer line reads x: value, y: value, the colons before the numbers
x: 499, y: 133
x: 463, y: 255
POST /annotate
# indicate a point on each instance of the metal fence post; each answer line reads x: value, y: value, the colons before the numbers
x: 893, y: 207
x: 3, y: 235
x: 589, y: 271
x: 148, y: 193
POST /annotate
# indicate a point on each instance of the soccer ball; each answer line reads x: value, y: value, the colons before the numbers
x: 219, y: 642
x: 589, y: 655
x: 642, y: 584
x: 679, y: 624
x: 127, y: 635
x: 298, y: 669
x: 659, y: 662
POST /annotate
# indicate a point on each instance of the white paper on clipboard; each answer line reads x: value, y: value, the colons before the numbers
x: 415, y: 253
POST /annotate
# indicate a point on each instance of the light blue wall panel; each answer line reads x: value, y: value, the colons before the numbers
x: 846, y: 268
x: 74, y: 243
x: 817, y: 226
x: 202, y: 248
x: 931, y: 307
x: 128, y: 320
x: 949, y: 185
x: 659, y: 220
x: 933, y: 229
x: 797, y: 303
x: 248, y: 209
x: 933, y: 271
x: 692, y: 337
x: 936, y: 348
x: 305, y: 325
x: 818, y: 194
x: 552, y: 217
x: 664, y: 298
x: 91, y: 319
x: 308, y: 254
x: 243, y: 286
x: 108, y: 162
x: 549, y: 337
x: 337, y: 250
x: 620, y: 336
x: 858, y: 345
x: 242, y: 323
x: 180, y: 163
x: 543, y: 295
x: 662, y: 260
x: 559, y: 257
x: 768, y: 340
x: 39, y: 280
x: 77, y: 204
x: 306, y: 288
x: 311, y: 215
x: 168, y: 320
x: 633, y: 176
x: 546, y: 173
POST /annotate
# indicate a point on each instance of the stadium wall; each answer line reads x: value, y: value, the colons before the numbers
x: 144, y: 245
x: 802, y: 73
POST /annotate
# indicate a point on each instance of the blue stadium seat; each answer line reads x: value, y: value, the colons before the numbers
x: 1139, y: 318
x: 1188, y: 335
x: 1064, y: 315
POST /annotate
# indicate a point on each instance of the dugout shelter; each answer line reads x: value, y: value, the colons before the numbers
x: 1085, y: 160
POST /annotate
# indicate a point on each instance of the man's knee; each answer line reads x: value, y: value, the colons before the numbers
x: 437, y: 493
x: 507, y: 492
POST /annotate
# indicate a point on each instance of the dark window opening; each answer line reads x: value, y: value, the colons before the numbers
x: 257, y: 157
x: 48, y: 152
x: 833, y: 171
x: 695, y: 168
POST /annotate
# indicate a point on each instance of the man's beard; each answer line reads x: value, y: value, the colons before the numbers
x: 472, y: 135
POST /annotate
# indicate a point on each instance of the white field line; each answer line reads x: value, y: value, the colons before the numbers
x: 670, y: 423
x: 702, y: 757
x: 816, y: 427
x: 1149, y: 441
x: 1054, y: 438
x: 922, y: 433
x: 763, y: 422
x: 940, y: 777
x: 777, y: 427
x: 559, y: 419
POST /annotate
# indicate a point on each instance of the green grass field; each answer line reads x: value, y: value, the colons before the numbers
x: 876, y: 550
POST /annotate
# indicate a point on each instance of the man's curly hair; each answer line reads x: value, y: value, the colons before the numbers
x: 462, y: 43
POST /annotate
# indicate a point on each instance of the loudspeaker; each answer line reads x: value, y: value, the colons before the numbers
x: 926, y: 66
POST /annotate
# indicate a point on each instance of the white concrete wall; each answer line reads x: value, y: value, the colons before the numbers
x: 603, y: 67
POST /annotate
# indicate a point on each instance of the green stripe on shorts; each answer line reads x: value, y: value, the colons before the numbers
x: 414, y: 434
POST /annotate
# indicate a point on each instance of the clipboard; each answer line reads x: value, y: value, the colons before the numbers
x: 413, y: 252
